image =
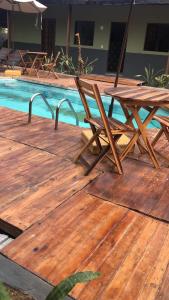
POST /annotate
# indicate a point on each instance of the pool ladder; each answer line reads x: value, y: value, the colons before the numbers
x: 51, y: 110
x: 58, y: 110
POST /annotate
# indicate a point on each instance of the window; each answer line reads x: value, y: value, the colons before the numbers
x: 157, y: 38
x: 86, y: 31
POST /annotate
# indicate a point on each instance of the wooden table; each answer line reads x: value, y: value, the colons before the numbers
x: 132, y: 99
x: 36, y: 60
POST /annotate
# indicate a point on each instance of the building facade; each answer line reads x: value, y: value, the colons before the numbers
x: 101, y: 30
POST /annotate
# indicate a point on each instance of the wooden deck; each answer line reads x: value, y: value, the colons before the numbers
x: 143, y: 189
x: 65, y: 222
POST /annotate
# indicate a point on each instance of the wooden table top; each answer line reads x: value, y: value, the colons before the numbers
x: 140, y: 95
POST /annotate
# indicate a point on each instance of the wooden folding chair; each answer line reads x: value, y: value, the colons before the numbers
x: 50, y: 67
x: 164, y: 122
x: 107, y: 129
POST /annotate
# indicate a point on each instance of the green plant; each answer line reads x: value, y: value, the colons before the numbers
x: 48, y: 59
x: 88, y: 66
x: 63, y: 288
x: 149, y: 76
x: 162, y: 81
x: 67, y: 66
x: 60, y: 291
x: 3, y: 293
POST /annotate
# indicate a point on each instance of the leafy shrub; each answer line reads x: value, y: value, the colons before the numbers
x: 3, y: 293
x: 67, y: 66
x: 155, y: 79
x: 162, y: 81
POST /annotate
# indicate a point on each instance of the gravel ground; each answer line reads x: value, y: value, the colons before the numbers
x: 17, y: 295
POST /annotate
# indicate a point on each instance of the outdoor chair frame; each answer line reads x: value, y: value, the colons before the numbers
x: 23, y: 63
x: 108, y: 129
x: 164, y: 122
x: 50, y: 67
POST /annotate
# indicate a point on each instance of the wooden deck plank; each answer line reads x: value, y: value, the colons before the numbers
x: 128, y: 280
x: 141, y: 188
x: 34, y: 182
x: 40, y: 133
x: 163, y: 291
x: 66, y: 230
x: 86, y: 233
x: 25, y: 206
x: 22, y: 169
x: 111, y: 79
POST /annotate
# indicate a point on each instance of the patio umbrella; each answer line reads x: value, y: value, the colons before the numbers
x: 25, y: 6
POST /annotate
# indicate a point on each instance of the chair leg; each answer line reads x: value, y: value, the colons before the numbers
x: 142, y: 131
x: 166, y: 131
x: 116, y: 156
x: 51, y: 70
x: 95, y: 136
x: 98, y: 143
x: 96, y: 161
x: 157, y: 137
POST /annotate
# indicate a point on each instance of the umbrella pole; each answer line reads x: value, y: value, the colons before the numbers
x: 69, y: 21
x: 167, y: 67
x: 122, y: 53
x: 9, y: 28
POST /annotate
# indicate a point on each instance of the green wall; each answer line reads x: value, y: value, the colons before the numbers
x: 25, y: 31
x: 141, y: 16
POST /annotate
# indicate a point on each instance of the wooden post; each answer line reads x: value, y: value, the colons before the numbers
x: 122, y: 53
x: 9, y: 28
x: 167, y: 67
x: 69, y: 21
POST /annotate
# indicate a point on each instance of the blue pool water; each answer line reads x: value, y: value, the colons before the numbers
x: 15, y: 94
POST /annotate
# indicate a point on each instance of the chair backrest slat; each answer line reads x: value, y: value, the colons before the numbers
x: 87, y: 89
x: 87, y: 92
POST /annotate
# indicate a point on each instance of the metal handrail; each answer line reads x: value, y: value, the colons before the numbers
x: 58, y: 110
x: 46, y: 102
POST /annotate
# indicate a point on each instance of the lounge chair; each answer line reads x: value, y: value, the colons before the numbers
x: 50, y: 67
x: 107, y: 129
x: 4, y: 53
x: 15, y: 58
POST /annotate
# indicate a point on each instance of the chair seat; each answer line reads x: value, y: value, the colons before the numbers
x: 164, y: 120
x: 115, y: 125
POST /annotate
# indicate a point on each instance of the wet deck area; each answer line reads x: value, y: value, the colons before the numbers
x: 64, y: 222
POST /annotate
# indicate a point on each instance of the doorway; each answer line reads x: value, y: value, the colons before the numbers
x: 48, y: 36
x: 115, y: 44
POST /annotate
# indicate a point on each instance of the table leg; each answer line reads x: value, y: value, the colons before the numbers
x: 142, y: 132
x: 33, y: 64
x: 129, y: 118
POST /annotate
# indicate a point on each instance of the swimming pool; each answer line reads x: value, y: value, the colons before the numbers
x: 15, y: 94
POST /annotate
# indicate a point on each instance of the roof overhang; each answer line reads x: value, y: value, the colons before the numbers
x: 107, y: 2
